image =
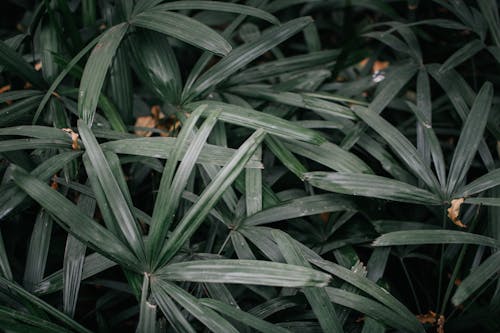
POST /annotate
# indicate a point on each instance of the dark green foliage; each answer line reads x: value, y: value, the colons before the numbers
x: 253, y: 165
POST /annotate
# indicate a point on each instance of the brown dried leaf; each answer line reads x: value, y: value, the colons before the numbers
x: 454, y: 211
x: 5, y: 88
x: 427, y: 318
x: 156, y: 112
x: 74, y: 138
x: 54, y: 185
x: 147, y: 122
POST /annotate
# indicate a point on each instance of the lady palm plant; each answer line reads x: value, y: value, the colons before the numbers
x: 273, y: 194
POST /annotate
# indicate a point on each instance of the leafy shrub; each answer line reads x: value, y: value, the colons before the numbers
x: 182, y: 166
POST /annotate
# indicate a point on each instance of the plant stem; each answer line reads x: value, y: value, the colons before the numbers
x: 458, y: 265
x: 441, y: 264
x: 412, y: 288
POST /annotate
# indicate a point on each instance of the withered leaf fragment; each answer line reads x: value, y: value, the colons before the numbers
x: 454, y: 211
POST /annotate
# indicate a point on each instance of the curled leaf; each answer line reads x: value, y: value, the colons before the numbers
x: 454, y: 211
x: 74, y: 138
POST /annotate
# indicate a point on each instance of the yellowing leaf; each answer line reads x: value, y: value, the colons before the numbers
x: 454, y: 211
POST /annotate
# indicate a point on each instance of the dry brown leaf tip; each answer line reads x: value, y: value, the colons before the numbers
x: 432, y: 318
x: 54, y: 185
x: 427, y: 318
x: 74, y: 138
x: 145, y: 122
x: 440, y: 324
x: 377, y: 65
x: 5, y: 88
x: 454, y: 212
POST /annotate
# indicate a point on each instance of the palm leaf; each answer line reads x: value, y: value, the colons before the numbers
x: 95, y: 71
x: 253, y: 272
x: 183, y: 28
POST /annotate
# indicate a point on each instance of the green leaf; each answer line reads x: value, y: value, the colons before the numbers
x: 242, y: 316
x: 171, y: 188
x: 254, y: 119
x: 15, y: 95
x: 244, y: 54
x: 183, y: 28
x: 304, y: 206
x: 120, y: 86
x: 219, y: 6
x: 395, y: 80
x: 418, y: 237
x: 5, y: 269
x: 401, y: 146
x: 254, y: 272
x: 470, y: 137
x: 95, y: 71
x: 19, y: 112
x: 40, y: 132
x: 483, y: 183
x: 371, y: 308
x: 371, y: 186
x: 12, y: 196
x: 489, y: 9
x: 483, y: 201
x: 49, y: 44
x: 92, y: 265
x: 17, y: 321
x: 89, y: 12
x: 61, y: 76
x: 461, y: 95
x: 285, y: 156
x: 306, y: 101
x: 386, y: 158
x: 369, y: 287
x: 38, y: 250
x: 126, y: 222
x: 14, y: 62
x: 204, y: 314
x: 317, y: 298
x: 423, y: 112
x: 274, y: 305
x: 159, y: 147
x: 22, y: 294
x: 253, y: 188
x: 70, y: 218
x: 465, y: 52
x: 263, y: 240
x: 21, y: 144
x: 74, y: 258
x: 147, y: 312
x: 476, y: 279
x: 174, y: 316
x: 155, y: 64
x: 212, y: 193
x: 284, y: 66
x: 330, y: 155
